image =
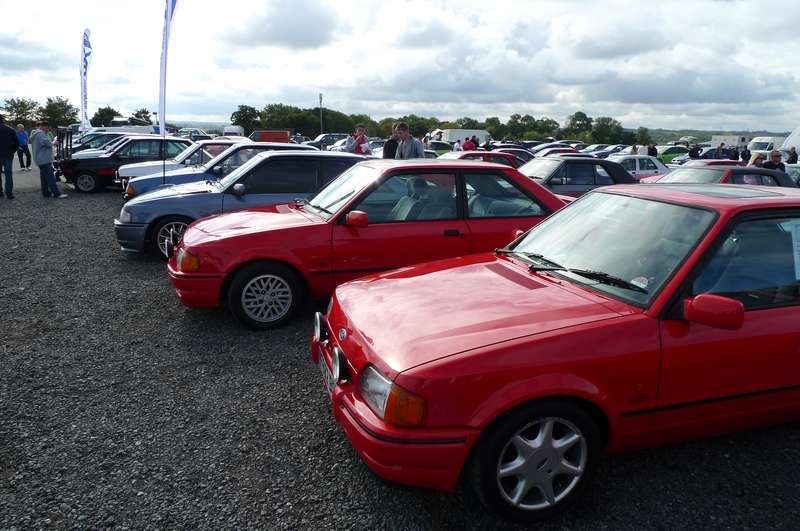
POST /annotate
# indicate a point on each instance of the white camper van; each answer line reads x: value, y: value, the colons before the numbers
x: 765, y: 144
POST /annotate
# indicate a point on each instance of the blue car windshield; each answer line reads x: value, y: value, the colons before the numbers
x: 231, y: 159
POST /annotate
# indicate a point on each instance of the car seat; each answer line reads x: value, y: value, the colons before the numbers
x: 409, y: 206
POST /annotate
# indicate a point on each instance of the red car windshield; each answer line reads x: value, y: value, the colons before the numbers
x: 339, y: 191
x: 693, y: 176
x: 636, y: 241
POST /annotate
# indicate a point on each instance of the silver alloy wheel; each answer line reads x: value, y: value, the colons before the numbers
x: 542, y: 463
x: 266, y: 298
x: 85, y: 182
x: 169, y: 235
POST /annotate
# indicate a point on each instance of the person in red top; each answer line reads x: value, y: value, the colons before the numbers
x: 468, y: 145
x: 358, y: 142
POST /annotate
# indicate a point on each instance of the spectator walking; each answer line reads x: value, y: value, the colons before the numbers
x: 457, y: 146
x: 774, y: 162
x: 468, y: 145
x: 43, y: 157
x: 408, y: 147
x: 792, y: 158
x: 22, y: 150
x: 719, y: 153
x: 745, y: 154
x: 756, y: 160
x: 357, y: 142
x: 652, y: 151
x: 694, y: 153
x: 390, y: 147
x: 8, y: 147
x: 734, y: 153
x: 475, y: 141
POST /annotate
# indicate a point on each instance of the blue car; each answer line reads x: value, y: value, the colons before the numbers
x: 154, y: 221
x: 216, y: 168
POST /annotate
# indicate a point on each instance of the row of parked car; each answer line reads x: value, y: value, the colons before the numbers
x: 484, y: 325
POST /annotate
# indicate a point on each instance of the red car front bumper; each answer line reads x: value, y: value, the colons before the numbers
x: 431, y: 458
x: 195, y: 290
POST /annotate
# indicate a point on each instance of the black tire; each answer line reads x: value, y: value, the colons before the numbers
x: 494, y: 493
x: 153, y: 245
x: 87, y: 183
x: 282, y: 278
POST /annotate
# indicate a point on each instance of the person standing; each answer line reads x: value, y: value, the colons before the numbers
x: 43, y: 157
x: 652, y: 151
x: 22, y: 150
x: 734, y: 153
x: 756, y: 160
x: 468, y: 145
x: 774, y: 162
x: 720, y: 151
x: 408, y: 147
x: 694, y: 153
x: 792, y: 158
x: 8, y: 147
x: 745, y: 154
x: 390, y: 147
x: 357, y: 142
x: 457, y: 146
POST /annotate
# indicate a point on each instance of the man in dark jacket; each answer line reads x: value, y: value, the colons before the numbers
x: 792, y: 158
x: 774, y: 162
x: 734, y: 153
x: 694, y: 153
x: 8, y: 148
x: 390, y: 147
x: 652, y: 151
x: 745, y: 154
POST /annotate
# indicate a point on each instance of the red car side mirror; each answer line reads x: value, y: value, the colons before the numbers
x: 357, y: 219
x: 714, y: 310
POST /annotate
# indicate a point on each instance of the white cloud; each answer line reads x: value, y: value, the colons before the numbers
x: 675, y: 64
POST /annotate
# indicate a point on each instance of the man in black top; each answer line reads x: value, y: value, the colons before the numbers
x: 8, y: 147
x: 390, y: 147
x: 774, y: 162
x: 745, y: 154
x: 694, y: 153
x: 652, y: 151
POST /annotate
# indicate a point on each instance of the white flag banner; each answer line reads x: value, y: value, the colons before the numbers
x: 86, y: 57
x: 162, y: 93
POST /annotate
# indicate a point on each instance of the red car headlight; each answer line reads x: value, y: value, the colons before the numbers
x: 389, y: 401
x: 186, y: 262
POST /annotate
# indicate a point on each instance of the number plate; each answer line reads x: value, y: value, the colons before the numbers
x: 327, y: 377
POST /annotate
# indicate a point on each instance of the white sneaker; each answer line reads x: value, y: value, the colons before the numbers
x: 62, y: 196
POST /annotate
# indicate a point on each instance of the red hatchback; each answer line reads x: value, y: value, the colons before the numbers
x: 378, y: 215
x: 640, y: 315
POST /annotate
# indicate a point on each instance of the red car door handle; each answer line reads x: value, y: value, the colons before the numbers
x: 452, y: 232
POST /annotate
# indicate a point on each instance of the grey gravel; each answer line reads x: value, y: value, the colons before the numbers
x: 120, y: 408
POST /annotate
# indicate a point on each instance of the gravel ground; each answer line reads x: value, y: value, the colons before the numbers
x: 120, y: 408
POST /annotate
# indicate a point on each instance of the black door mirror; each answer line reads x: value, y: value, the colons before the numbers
x: 239, y: 189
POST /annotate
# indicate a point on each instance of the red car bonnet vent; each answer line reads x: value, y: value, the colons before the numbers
x: 514, y: 276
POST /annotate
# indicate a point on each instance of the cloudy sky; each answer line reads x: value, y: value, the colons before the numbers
x: 676, y: 64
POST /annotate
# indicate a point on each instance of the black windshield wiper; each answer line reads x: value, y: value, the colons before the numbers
x: 607, y: 278
x: 536, y: 256
x: 312, y: 205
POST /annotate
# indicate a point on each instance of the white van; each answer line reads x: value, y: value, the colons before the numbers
x: 236, y: 130
x: 765, y: 144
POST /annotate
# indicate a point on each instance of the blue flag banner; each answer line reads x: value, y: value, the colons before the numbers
x: 162, y: 93
x: 86, y: 57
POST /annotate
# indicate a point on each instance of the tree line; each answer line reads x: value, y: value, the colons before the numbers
x: 579, y: 126
x: 58, y: 111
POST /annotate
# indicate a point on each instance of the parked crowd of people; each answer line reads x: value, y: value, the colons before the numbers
x: 16, y: 143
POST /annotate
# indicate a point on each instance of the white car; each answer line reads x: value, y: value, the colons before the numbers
x: 640, y: 166
x: 196, y: 154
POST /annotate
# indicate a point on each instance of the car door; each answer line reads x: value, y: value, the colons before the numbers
x: 647, y: 168
x: 728, y: 378
x: 630, y: 166
x: 495, y: 208
x: 413, y: 217
x: 579, y: 178
x: 275, y: 180
x: 143, y: 150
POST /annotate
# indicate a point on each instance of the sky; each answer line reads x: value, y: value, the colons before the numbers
x: 696, y: 64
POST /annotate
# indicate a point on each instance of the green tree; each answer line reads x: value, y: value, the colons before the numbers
x: 495, y: 127
x: 643, y: 136
x: 143, y: 114
x: 515, y: 126
x: 103, y: 116
x: 606, y: 130
x: 20, y: 110
x: 58, y: 111
x: 247, y: 117
x: 373, y: 129
x: 547, y: 127
x: 467, y: 123
x: 578, y: 123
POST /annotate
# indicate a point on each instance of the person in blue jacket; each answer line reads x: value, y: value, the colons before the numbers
x: 22, y: 150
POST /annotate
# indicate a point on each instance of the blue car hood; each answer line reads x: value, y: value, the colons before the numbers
x: 172, y: 191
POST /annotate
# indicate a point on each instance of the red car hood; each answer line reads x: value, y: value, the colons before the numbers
x: 415, y: 315
x: 248, y: 221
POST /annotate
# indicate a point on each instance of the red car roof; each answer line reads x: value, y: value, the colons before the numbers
x: 720, y: 197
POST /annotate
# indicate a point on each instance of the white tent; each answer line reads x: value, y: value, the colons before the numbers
x: 792, y: 140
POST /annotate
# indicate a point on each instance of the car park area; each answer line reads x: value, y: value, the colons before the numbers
x: 121, y: 408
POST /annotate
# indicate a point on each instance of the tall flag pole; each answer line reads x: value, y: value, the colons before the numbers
x: 162, y: 94
x: 86, y: 57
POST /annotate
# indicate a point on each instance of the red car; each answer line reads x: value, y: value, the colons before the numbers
x: 724, y: 175
x: 507, y: 159
x: 713, y: 162
x: 379, y: 215
x: 638, y: 316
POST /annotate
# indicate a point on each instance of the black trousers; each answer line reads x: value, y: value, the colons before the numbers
x: 23, y: 150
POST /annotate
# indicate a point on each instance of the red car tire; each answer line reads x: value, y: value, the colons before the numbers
x: 265, y: 295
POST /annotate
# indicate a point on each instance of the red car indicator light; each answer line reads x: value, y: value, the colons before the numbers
x: 404, y: 408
